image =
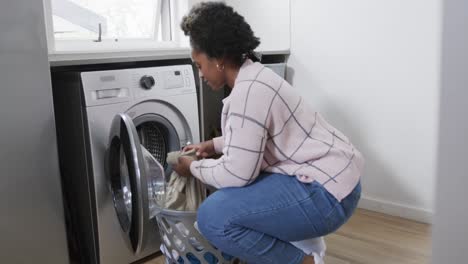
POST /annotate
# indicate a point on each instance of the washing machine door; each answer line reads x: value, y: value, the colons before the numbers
x: 137, y: 181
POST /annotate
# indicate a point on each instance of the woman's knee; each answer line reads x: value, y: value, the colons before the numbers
x: 212, y: 216
x: 204, y: 214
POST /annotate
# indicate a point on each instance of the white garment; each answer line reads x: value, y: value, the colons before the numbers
x: 313, y: 247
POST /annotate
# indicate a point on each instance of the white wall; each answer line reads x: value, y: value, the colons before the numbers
x: 269, y: 20
x: 193, y: 2
x: 450, y: 237
x: 372, y: 67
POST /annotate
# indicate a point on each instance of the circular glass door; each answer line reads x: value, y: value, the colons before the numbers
x: 133, y: 179
x: 158, y: 137
x: 124, y: 193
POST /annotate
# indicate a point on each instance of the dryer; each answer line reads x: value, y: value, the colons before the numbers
x: 102, y: 119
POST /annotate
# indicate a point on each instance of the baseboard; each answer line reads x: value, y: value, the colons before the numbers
x: 396, y: 209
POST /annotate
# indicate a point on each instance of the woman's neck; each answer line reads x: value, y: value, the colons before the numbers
x: 231, y: 73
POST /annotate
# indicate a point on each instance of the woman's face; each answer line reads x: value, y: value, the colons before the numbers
x: 211, y: 74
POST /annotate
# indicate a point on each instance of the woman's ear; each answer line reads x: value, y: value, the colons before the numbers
x: 221, y: 61
x: 220, y: 67
x: 220, y: 64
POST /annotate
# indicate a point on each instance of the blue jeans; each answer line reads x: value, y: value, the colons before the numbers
x: 255, y: 222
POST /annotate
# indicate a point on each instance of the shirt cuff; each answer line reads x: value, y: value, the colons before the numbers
x: 218, y: 143
x: 193, y: 168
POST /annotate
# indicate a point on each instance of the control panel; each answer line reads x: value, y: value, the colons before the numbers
x: 173, y: 79
x: 107, y: 87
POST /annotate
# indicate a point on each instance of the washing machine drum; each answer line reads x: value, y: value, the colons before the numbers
x: 154, y: 139
x: 158, y: 136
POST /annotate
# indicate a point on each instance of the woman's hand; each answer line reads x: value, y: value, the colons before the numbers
x: 183, y: 166
x: 203, y: 150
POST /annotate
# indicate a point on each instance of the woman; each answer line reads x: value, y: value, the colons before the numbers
x: 285, y: 173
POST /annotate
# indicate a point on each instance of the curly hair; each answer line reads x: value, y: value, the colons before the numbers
x: 220, y: 32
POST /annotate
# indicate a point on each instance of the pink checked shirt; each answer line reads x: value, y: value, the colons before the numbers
x: 268, y: 127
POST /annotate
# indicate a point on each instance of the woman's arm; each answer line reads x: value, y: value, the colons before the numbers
x: 218, y: 143
x: 243, y: 143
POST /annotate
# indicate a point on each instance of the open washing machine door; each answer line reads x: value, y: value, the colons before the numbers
x: 137, y: 181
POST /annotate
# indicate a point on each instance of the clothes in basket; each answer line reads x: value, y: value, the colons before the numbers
x: 183, y: 193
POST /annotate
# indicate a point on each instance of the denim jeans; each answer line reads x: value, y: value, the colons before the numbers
x: 255, y: 222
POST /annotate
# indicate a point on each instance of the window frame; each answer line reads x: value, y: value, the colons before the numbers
x: 172, y: 37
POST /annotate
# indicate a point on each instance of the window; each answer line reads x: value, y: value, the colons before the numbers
x: 83, y: 25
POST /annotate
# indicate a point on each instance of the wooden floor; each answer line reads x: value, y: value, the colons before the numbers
x: 374, y: 238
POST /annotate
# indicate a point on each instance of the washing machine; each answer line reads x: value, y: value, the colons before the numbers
x: 105, y: 120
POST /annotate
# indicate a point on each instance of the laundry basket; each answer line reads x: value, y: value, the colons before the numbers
x: 182, y: 243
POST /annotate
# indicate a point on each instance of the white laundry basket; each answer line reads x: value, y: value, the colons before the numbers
x: 182, y: 243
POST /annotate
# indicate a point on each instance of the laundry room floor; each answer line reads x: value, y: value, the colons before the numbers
x: 370, y: 237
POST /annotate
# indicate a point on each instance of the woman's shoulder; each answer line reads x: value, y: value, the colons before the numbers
x: 249, y: 71
x: 255, y: 74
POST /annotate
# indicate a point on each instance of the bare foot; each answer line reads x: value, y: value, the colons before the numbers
x: 308, y: 260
